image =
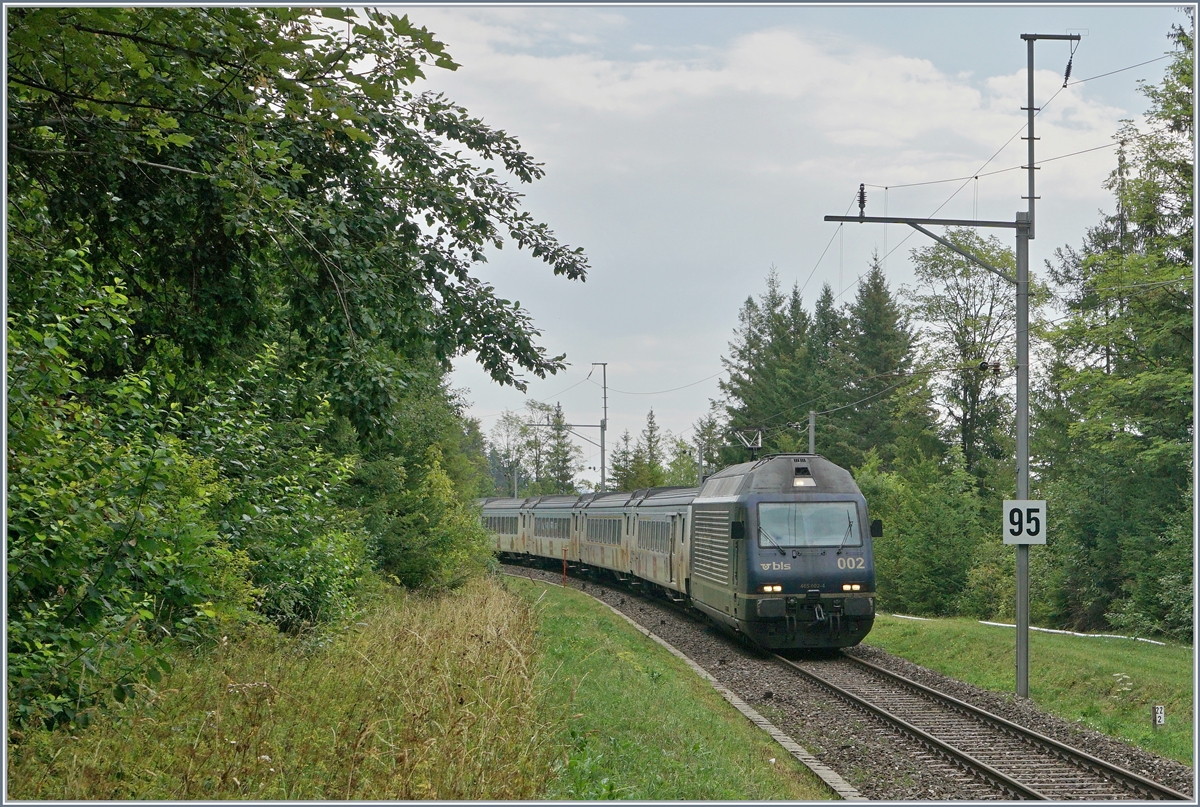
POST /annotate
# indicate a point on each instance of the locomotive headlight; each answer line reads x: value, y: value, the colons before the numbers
x: 845, y: 586
x: 851, y: 586
x: 771, y: 588
x: 855, y: 587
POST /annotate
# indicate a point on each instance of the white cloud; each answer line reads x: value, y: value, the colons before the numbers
x: 821, y: 91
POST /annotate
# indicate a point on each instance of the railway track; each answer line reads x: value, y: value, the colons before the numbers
x: 1016, y: 762
x: 951, y: 740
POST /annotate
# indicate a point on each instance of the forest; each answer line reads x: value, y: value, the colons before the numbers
x: 240, y: 252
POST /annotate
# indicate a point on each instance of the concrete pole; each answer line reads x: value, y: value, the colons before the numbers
x: 1022, y: 449
x: 603, y: 426
x: 1031, y: 112
x: 603, y: 421
x: 812, y: 432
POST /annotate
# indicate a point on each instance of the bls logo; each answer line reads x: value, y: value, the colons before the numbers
x: 775, y: 567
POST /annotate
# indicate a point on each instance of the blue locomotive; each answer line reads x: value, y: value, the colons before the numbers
x: 777, y: 549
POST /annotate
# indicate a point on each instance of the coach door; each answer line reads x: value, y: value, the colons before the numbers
x: 671, y: 549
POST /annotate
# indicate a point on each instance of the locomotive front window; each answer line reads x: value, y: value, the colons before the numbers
x: 813, y: 524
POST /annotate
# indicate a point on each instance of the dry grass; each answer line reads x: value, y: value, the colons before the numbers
x: 428, y: 698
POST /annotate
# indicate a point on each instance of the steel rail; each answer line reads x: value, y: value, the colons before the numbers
x: 1001, y: 780
x: 1126, y: 778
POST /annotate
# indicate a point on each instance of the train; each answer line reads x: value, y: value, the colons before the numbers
x: 777, y: 550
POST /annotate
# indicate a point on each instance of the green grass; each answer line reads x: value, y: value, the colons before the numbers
x: 643, y: 725
x: 425, y: 697
x: 1107, y: 684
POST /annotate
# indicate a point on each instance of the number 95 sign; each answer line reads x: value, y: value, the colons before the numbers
x: 1024, y: 521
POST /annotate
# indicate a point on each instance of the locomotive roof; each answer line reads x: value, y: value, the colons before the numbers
x: 777, y: 472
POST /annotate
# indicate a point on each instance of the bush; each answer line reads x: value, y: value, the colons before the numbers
x: 422, y: 534
x: 110, y: 548
x: 932, y: 532
x: 264, y: 433
x: 1159, y: 599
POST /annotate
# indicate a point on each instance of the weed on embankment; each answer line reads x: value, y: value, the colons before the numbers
x: 425, y: 697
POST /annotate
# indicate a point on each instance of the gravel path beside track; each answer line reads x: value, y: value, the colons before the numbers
x: 880, y: 764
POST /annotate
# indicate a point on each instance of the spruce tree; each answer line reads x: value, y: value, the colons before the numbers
x: 881, y: 346
x: 620, y: 471
x: 825, y: 376
x: 765, y: 388
x: 563, y: 457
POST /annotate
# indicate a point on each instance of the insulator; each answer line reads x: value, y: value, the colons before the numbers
x: 1067, y: 76
x: 862, y: 198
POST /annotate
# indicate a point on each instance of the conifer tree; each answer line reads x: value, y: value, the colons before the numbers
x: 827, y: 372
x: 563, y: 458
x: 620, y: 472
x: 882, y: 348
x: 766, y: 385
x: 1114, y: 437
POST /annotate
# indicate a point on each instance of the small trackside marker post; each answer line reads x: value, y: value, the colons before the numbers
x: 1158, y: 717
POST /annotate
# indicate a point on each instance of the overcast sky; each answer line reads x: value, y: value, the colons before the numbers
x: 689, y: 149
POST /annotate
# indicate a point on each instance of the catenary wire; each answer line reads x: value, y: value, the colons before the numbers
x: 965, y: 180
x: 1007, y: 142
x: 1122, y: 70
x: 662, y: 391
x: 998, y: 170
x: 950, y: 198
x: 1038, y: 112
x: 543, y: 403
x: 828, y: 245
x: 989, y: 160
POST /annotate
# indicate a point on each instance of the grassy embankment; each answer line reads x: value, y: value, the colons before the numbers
x: 644, y: 726
x: 1107, y: 684
x: 480, y: 694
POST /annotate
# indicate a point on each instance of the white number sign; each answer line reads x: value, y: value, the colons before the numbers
x: 1024, y: 521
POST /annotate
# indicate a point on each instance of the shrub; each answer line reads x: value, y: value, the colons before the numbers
x: 110, y: 548
x: 263, y: 431
x: 422, y: 534
x: 931, y: 514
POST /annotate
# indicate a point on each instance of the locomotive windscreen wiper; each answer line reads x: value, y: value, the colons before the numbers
x: 767, y: 535
x: 849, y: 528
